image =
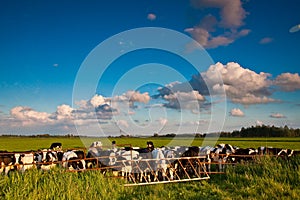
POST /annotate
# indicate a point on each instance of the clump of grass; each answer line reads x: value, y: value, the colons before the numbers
x: 59, y: 184
x: 267, y: 178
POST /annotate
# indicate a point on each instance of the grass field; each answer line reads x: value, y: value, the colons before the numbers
x: 268, y: 178
x: 35, y: 143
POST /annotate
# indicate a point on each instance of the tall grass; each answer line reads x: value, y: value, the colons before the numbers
x: 267, y: 178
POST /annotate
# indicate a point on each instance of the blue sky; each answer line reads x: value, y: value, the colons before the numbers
x: 45, y: 43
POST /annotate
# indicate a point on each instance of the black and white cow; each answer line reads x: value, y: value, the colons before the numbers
x: 47, y: 159
x: 188, y: 164
x: 220, y: 155
x: 243, y: 154
x: 74, y: 160
x: 278, y: 152
x: 99, y: 158
x: 56, y: 146
x: 24, y: 161
x: 205, y: 152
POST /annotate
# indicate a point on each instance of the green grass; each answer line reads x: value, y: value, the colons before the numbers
x: 268, y: 178
x: 30, y: 143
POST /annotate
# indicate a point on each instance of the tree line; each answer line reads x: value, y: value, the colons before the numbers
x: 263, y: 131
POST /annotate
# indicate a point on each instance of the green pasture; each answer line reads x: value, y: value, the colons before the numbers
x: 35, y: 143
x: 266, y: 178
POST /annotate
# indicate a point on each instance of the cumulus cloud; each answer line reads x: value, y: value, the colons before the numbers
x: 241, y: 85
x: 277, y: 115
x: 98, y: 100
x: 236, y: 112
x: 184, y: 100
x: 136, y: 96
x: 64, y: 110
x: 288, y: 81
x: 28, y: 115
x: 132, y: 96
x: 151, y: 17
x: 231, y: 15
x: 266, y: 40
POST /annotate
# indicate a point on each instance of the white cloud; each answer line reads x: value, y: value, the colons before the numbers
x: 184, y: 100
x: 28, y: 115
x: 136, y: 96
x: 277, y: 115
x: 236, y: 112
x: 252, y: 99
x: 64, y: 111
x: 172, y: 84
x: 288, y: 81
x: 133, y: 96
x: 241, y: 85
x: 185, y: 96
x: 83, y: 104
x: 98, y: 100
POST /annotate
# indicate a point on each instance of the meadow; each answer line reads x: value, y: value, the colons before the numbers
x: 267, y: 178
x: 35, y: 143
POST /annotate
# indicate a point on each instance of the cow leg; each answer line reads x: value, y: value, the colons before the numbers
x: 2, y: 167
x: 8, y: 168
x: 220, y: 164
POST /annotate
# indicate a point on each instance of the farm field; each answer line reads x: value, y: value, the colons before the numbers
x: 35, y: 143
x: 267, y: 178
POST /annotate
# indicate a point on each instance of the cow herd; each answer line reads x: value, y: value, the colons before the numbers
x: 142, y: 164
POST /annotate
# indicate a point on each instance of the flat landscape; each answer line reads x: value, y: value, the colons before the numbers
x: 265, y: 178
x: 215, y: 82
x: 35, y: 143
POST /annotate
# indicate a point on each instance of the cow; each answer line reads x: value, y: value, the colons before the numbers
x: 100, y: 158
x: 7, y: 162
x: 220, y: 155
x: 170, y: 156
x: 243, y: 154
x: 56, y: 146
x: 74, y: 160
x: 278, y: 152
x: 25, y: 161
x: 206, y: 153
x: 128, y: 160
x: 188, y: 165
x: 96, y: 144
x: 47, y: 159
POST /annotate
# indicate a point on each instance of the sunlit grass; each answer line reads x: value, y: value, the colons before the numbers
x: 31, y: 143
x: 267, y: 178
